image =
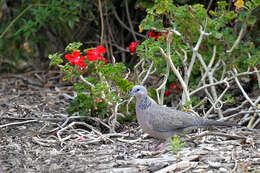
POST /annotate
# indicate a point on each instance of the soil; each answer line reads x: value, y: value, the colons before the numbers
x: 32, y: 105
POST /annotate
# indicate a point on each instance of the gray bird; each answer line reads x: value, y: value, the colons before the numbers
x: 164, y: 122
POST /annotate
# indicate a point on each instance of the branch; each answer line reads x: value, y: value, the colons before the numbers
x: 174, y: 69
x: 122, y: 23
x: 18, y: 123
x: 85, y: 81
x: 162, y: 86
x: 102, y: 21
x: 129, y: 20
x: 241, y: 33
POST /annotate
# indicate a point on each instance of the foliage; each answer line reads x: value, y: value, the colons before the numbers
x: 103, y: 83
x: 186, y: 21
x: 31, y: 29
x: 175, y: 144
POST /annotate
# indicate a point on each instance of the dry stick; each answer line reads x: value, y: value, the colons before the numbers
x: 241, y: 33
x: 209, y: 66
x: 122, y: 23
x: 218, y: 100
x: 135, y: 69
x: 174, y: 69
x: 255, y: 115
x: 239, y: 113
x: 223, y: 75
x: 206, y: 86
x: 129, y: 141
x: 210, y: 77
x: 162, y: 86
x: 102, y: 21
x: 247, y: 97
x: 206, y: 89
x: 256, y: 122
x: 207, y: 133
x: 194, y: 55
x: 113, y: 117
x: 128, y: 73
x: 147, y: 73
x: 242, y: 90
x: 18, y: 123
x: 178, y: 165
x: 236, y: 108
x: 222, y: 81
x: 79, y: 123
x: 235, y: 167
x: 143, y: 70
x: 129, y: 20
x: 258, y: 73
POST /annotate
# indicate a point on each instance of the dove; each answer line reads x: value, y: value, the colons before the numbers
x: 164, y: 122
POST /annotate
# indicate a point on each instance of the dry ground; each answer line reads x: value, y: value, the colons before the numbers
x: 30, y: 146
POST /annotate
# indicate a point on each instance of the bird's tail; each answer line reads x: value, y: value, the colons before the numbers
x: 207, y: 123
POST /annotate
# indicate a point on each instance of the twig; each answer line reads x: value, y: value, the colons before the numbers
x: 147, y: 73
x: 241, y: 33
x: 178, y: 165
x: 218, y: 100
x: 135, y: 69
x: 258, y: 73
x: 162, y: 86
x: 174, y: 69
x: 13, y: 21
x: 102, y: 21
x: 207, y: 133
x: 129, y: 20
x: 235, y: 167
x: 239, y: 113
x: 242, y: 90
x: 18, y: 123
x: 122, y: 23
x: 208, y: 85
x: 129, y: 141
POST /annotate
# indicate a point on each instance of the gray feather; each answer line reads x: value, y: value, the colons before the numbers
x: 163, y: 122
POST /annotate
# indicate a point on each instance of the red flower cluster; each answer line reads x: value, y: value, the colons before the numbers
x: 173, y: 87
x: 153, y: 34
x: 92, y: 55
x: 167, y: 93
x: 76, y: 59
x: 132, y: 47
x: 156, y: 35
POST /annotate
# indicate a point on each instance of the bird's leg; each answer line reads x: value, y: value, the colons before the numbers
x: 160, y: 145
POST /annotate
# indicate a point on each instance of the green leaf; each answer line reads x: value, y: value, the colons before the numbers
x: 217, y: 35
x: 73, y: 46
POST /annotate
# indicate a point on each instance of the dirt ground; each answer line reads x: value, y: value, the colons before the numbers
x: 31, y: 107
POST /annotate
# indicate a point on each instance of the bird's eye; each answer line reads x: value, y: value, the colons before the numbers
x: 137, y: 90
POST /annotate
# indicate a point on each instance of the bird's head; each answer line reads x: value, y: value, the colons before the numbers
x: 138, y: 90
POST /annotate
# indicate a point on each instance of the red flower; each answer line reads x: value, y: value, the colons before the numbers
x: 76, y: 59
x: 174, y: 86
x: 151, y: 34
x: 155, y: 35
x: 132, y: 47
x: 167, y: 93
x: 94, y: 54
x: 253, y: 78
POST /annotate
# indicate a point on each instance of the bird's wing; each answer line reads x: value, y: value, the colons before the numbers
x: 165, y: 119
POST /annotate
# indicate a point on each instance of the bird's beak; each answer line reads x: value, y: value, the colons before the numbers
x: 131, y: 93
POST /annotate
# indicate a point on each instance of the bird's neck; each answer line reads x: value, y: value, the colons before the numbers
x: 144, y: 103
